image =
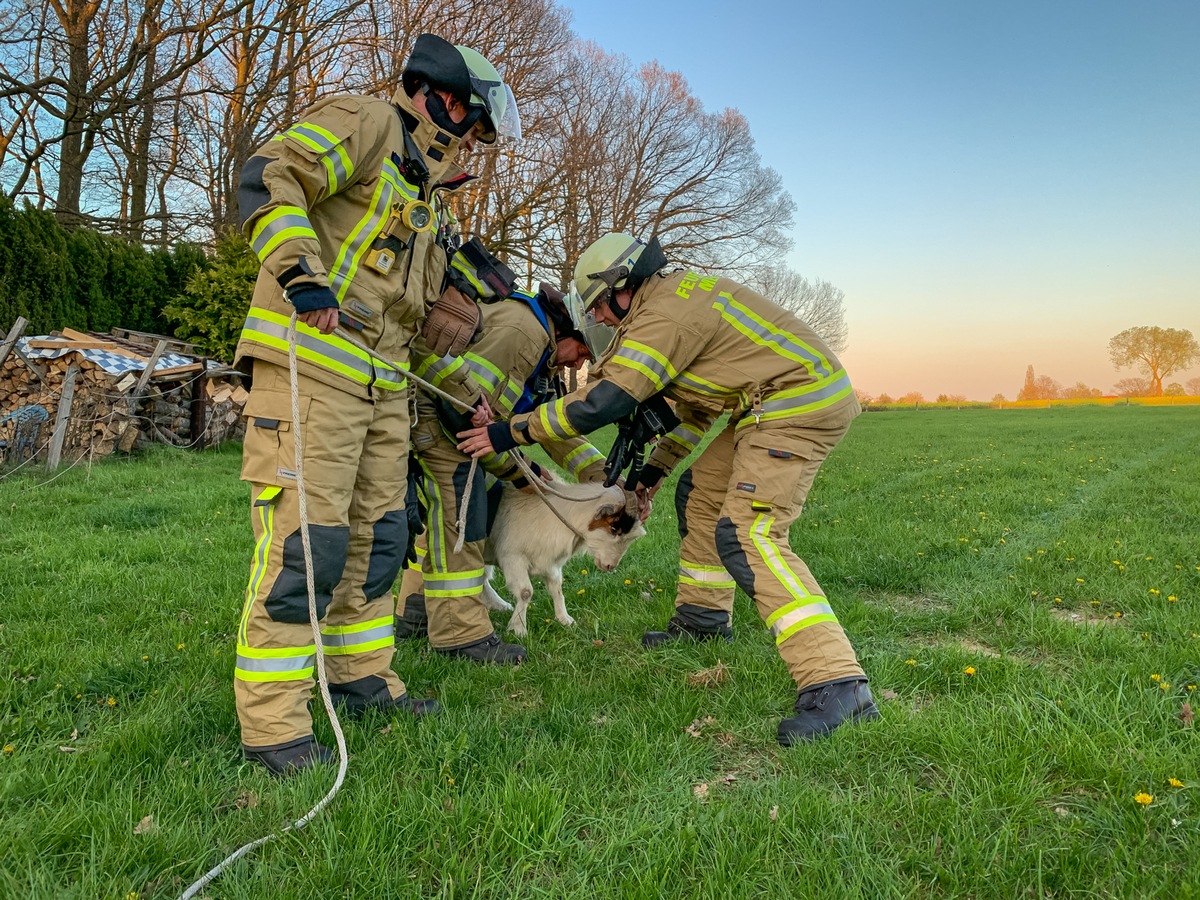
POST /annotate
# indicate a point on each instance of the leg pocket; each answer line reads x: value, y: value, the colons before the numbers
x: 773, y: 470
x: 269, y: 449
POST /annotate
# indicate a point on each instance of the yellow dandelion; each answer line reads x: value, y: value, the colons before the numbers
x: 1143, y: 798
x: 1118, y: 615
x: 1145, y: 637
x: 1070, y: 559
x: 1079, y: 581
x: 1191, y: 687
x: 1041, y: 552
x: 1175, y: 782
x: 1120, y: 568
x: 1155, y: 591
x: 450, y: 781
x: 112, y: 701
x: 1028, y: 558
x: 1171, y: 598
x: 9, y: 749
x: 580, y: 591
x: 583, y: 571
x: 1116, y: 562
x: 627, y: 581
x: 1156, y: 677
x: 1165, y: 685
x: 1003, y: 541
x: 1095, y: 602
x: 910, y: 662
x: 181, y: 646
x: 969, y: 670
x: 79, y: 696
x: 919, y: 553
x: 1058, y: 599
x: 1149, y: 558
x: 144, y: 658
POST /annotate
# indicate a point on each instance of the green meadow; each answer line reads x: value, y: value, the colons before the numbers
x: 1023, y: 588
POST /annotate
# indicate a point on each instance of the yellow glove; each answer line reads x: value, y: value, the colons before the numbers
x: 453, y: 322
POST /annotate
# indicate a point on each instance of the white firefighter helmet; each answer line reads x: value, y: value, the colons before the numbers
x: 605, y: 267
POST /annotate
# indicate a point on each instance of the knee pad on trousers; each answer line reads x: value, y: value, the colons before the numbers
x: 733, y: 557
x: 388, y: 545
x: 683, y: 490
x: 288, y: 600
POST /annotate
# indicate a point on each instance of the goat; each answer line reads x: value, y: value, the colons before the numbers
x: 527, y: 539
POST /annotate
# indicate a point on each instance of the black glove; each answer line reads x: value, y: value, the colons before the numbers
x: 648, y: 477
x: 307, y: 297
x: 521, y: 482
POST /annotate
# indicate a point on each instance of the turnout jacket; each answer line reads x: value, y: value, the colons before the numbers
x: 710, y: 344
x: 510, y: 365
x: 318, y: 204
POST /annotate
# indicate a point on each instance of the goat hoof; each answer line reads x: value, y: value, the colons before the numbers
x: 566, y: 621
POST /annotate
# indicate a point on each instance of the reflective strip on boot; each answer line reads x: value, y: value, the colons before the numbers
x: 276, y: 664
x: 363, y: 637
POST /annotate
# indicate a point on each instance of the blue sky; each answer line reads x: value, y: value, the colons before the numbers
x: 993, y: 185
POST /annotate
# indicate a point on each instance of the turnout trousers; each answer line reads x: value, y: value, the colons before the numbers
x: 735, y: 505
x: 355, y: 467
x: 452, y: 581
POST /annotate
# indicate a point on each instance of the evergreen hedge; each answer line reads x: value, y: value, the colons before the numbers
x: 83, y: 279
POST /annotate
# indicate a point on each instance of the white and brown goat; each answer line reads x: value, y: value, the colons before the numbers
x: 527, y: 539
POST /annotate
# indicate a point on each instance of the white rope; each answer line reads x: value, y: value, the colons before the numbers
x: 464, y: 506
x: 322, y: 678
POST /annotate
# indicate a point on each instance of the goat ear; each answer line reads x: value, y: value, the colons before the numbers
x: 608, y: 511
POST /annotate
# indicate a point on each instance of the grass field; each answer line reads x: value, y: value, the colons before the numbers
x: 1023, y: 588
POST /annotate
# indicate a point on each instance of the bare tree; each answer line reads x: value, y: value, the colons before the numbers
x: 1193, y: 386
x: 819, y: 304
x: 1132, y: 387
x: 1157, y: 352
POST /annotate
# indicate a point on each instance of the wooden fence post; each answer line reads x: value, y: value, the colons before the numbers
x: 14, y: 335
x: 63, y: 418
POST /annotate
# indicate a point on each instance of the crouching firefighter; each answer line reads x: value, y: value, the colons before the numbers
x: 713, y: 345
x: 526, y: 341
x: 346, y: 211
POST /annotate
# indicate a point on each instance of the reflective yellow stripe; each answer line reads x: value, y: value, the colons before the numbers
x: 326, y: 350
x: 775, y: 339
x: 274, y: 664
x: 372, y: 635
x: 813, y: 608
x: 580, y: 458
x: 262, y: 552
x: 359, y: 240
x: 281, y: 224
x: 802, y: 400
x: 469, y: 273
x: 645, y: 359
x: 553, y: 417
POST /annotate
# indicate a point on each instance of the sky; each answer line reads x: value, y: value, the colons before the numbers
x: 992, y: 184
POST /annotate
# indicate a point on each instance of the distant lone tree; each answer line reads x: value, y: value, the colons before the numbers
x: 1193, y: 386
x: 1132, y: 387
x: 1156, y: 352
x: 1081, y: 392
x: 1039, y: 387
x: 912, y: 397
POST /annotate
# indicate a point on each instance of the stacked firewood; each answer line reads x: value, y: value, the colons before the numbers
x: 193, y: 405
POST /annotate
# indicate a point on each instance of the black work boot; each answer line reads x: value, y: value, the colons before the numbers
x: 418, y: 707
x: 414, y: 622
x: 291, y: 758
x: 682, y: 628
x: 823, y: 707
x: 488, y: 650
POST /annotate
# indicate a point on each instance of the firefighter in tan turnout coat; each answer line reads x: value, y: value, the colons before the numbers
x: 714, y: 346
x: 525, y: 340
x: 347, y: 214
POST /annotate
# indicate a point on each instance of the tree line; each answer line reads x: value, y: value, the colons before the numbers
x: 135, y: 117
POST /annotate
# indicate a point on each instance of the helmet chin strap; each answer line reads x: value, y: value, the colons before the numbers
x: 438, y: 145
x: 436, y: 107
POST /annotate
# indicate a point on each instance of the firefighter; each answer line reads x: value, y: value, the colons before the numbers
x: 715, y: 346
x: 347, y: 212
x: 525, y: 342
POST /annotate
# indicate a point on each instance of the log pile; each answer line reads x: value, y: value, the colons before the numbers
x: 195, y: 404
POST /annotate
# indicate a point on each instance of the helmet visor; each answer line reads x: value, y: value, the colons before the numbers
x: 500, y: 105
x: 596, y: 336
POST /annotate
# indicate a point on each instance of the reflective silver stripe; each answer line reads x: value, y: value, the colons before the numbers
x: 508, y: 399
x: 687, y: 435
x: 276, y: 226
x: 366, y: 231
x: 840, y: 383
x: 790, y: 618
x: 481, y: 373
x: 318, y: 138
x: 582, y: 457
x: 702, y: 386
x: 771, y: 336
x: 326, y: 352
x: 453, y: 583
x: 554, y: 419
x: 276, y: 663
x: 435, y: 369
x: 704, y: 575
x: 358, y: 637
x: 651, y: 367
